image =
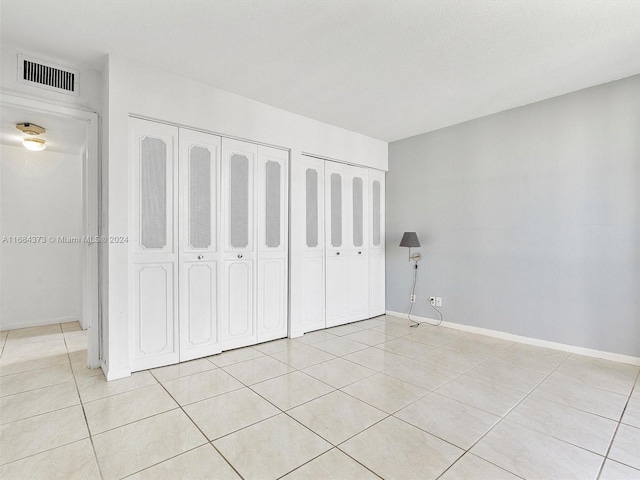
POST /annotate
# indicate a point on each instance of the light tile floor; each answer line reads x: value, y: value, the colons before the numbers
x: 373, y: 399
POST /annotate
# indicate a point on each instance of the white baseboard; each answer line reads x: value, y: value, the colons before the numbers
x: 589, y: 352
x: 37, y: 323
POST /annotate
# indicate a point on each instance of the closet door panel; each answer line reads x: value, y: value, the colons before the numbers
x: 358, y: 251
x: 337, y: 290
x: 237, y: 321
x: 154, y: 282
x: 307, y: 285
x: 199, y: 257
x: 377, y: 286
x: 272, y: 230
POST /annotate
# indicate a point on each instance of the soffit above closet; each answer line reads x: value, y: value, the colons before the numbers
x: 388, y: 69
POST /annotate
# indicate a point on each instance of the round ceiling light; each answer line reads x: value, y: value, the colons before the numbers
x: 34, y: 144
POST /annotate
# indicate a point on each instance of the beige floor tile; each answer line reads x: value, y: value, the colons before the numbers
x: 258, y: 370
x: 396, y: 450
x: 238, y: 355
x: 339, y: 372
x: 626, y: 446
x: 468, y: 346
x: 454, y: 362
x: 406, y: 347
x: 76, y: 344
x: 436, y: 336
x: 97, y: 387
x: 370, y: 323
x: 470, y: 467
x: 314, y: 337
x: 229, y: 412
x: 13, y: 365
x: 529, y: 357
x: 385, y: 393
x: 34, y: 331
x: 36, y: 402
x: 424, y: 376
x: 118, y: 410
x: 136, y: 446
x: 74, y: 461
x: 632, y: 412
x: 343, y: 330
x: 573, y: 426
x: 80, y: 370
x: 33, y: 435
x: 369, y: 337
x: 199, y: 386
x: 183, y: 369
x: 284, y: 445
x: 275, y: 346
x: 583, y: 397
x: 448, y: 419
x: 302, y: 357
x: 49, y: 347
x: 337, y: 416
x: 617, y: 471
x: 340, y: 346
x: 202, y: 463
x: 28, y: 340
x: 71, y: 327
x: 333, y: 465
x: 480, y: 394
x: 376, y: 359
x: 292, y: 389
x: 394, y: 329
x: 33, y: 379
x: 530, y: 454
x: 506, y: 375
x: 604, y: 374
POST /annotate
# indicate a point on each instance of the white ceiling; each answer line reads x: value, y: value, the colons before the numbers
x: 389, y: 69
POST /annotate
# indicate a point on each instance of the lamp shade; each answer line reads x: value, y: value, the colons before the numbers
x: 410, y: 239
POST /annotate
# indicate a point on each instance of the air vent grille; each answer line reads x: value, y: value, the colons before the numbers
x: 46, y: 75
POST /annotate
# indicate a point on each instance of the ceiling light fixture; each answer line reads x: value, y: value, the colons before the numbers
x: 30, y: 128
x: 34, y: 144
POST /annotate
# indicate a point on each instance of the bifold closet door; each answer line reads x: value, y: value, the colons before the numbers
x: 199, y: 256
x: 337, y: 242
x: 272, y: 273
x: 376, y: 202
x: 307, y: 245
x: 154, y: 282
x: 358, y: 245
x: 237, y: 325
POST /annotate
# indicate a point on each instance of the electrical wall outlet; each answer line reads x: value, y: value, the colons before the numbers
x: 432, y: 301
x: 438, y: 301
x: 412, y: 298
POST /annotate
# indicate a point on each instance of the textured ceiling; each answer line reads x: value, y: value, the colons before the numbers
x: 389, y: 69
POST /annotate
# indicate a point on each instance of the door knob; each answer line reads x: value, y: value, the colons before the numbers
x: 359, y: 253
x: 337, y: 253
x: 239, y: 255
x: 200, y: 257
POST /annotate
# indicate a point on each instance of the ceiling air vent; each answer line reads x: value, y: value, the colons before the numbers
x: 47, y: 75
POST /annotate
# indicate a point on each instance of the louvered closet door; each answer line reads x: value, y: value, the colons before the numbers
x: 307, y: 245
x: 199, y: 255
x: 237, y: 320
x: 376, y: 201
x: 337, y: 242
x: 271, y: 316
x: 358, y: 248
x: 154, y: 325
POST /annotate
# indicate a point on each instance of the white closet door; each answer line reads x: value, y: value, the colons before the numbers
x: 358, y: 251
x: 199, y: 255
x: 154, y: 325
x: 337, y: 242
x: 237, y: 320
x: 272, y: 243
x: 307, y: 284
x: 376, y: 243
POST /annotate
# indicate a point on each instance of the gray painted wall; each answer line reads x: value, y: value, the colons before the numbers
x: 529, y: 219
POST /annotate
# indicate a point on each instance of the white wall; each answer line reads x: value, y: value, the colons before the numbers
x: 40, y: 195
x: 136, y: 90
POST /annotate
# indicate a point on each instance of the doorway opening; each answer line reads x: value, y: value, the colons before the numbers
x: 49, y: 217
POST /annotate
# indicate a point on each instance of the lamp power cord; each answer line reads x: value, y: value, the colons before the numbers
x: 412, y: 300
